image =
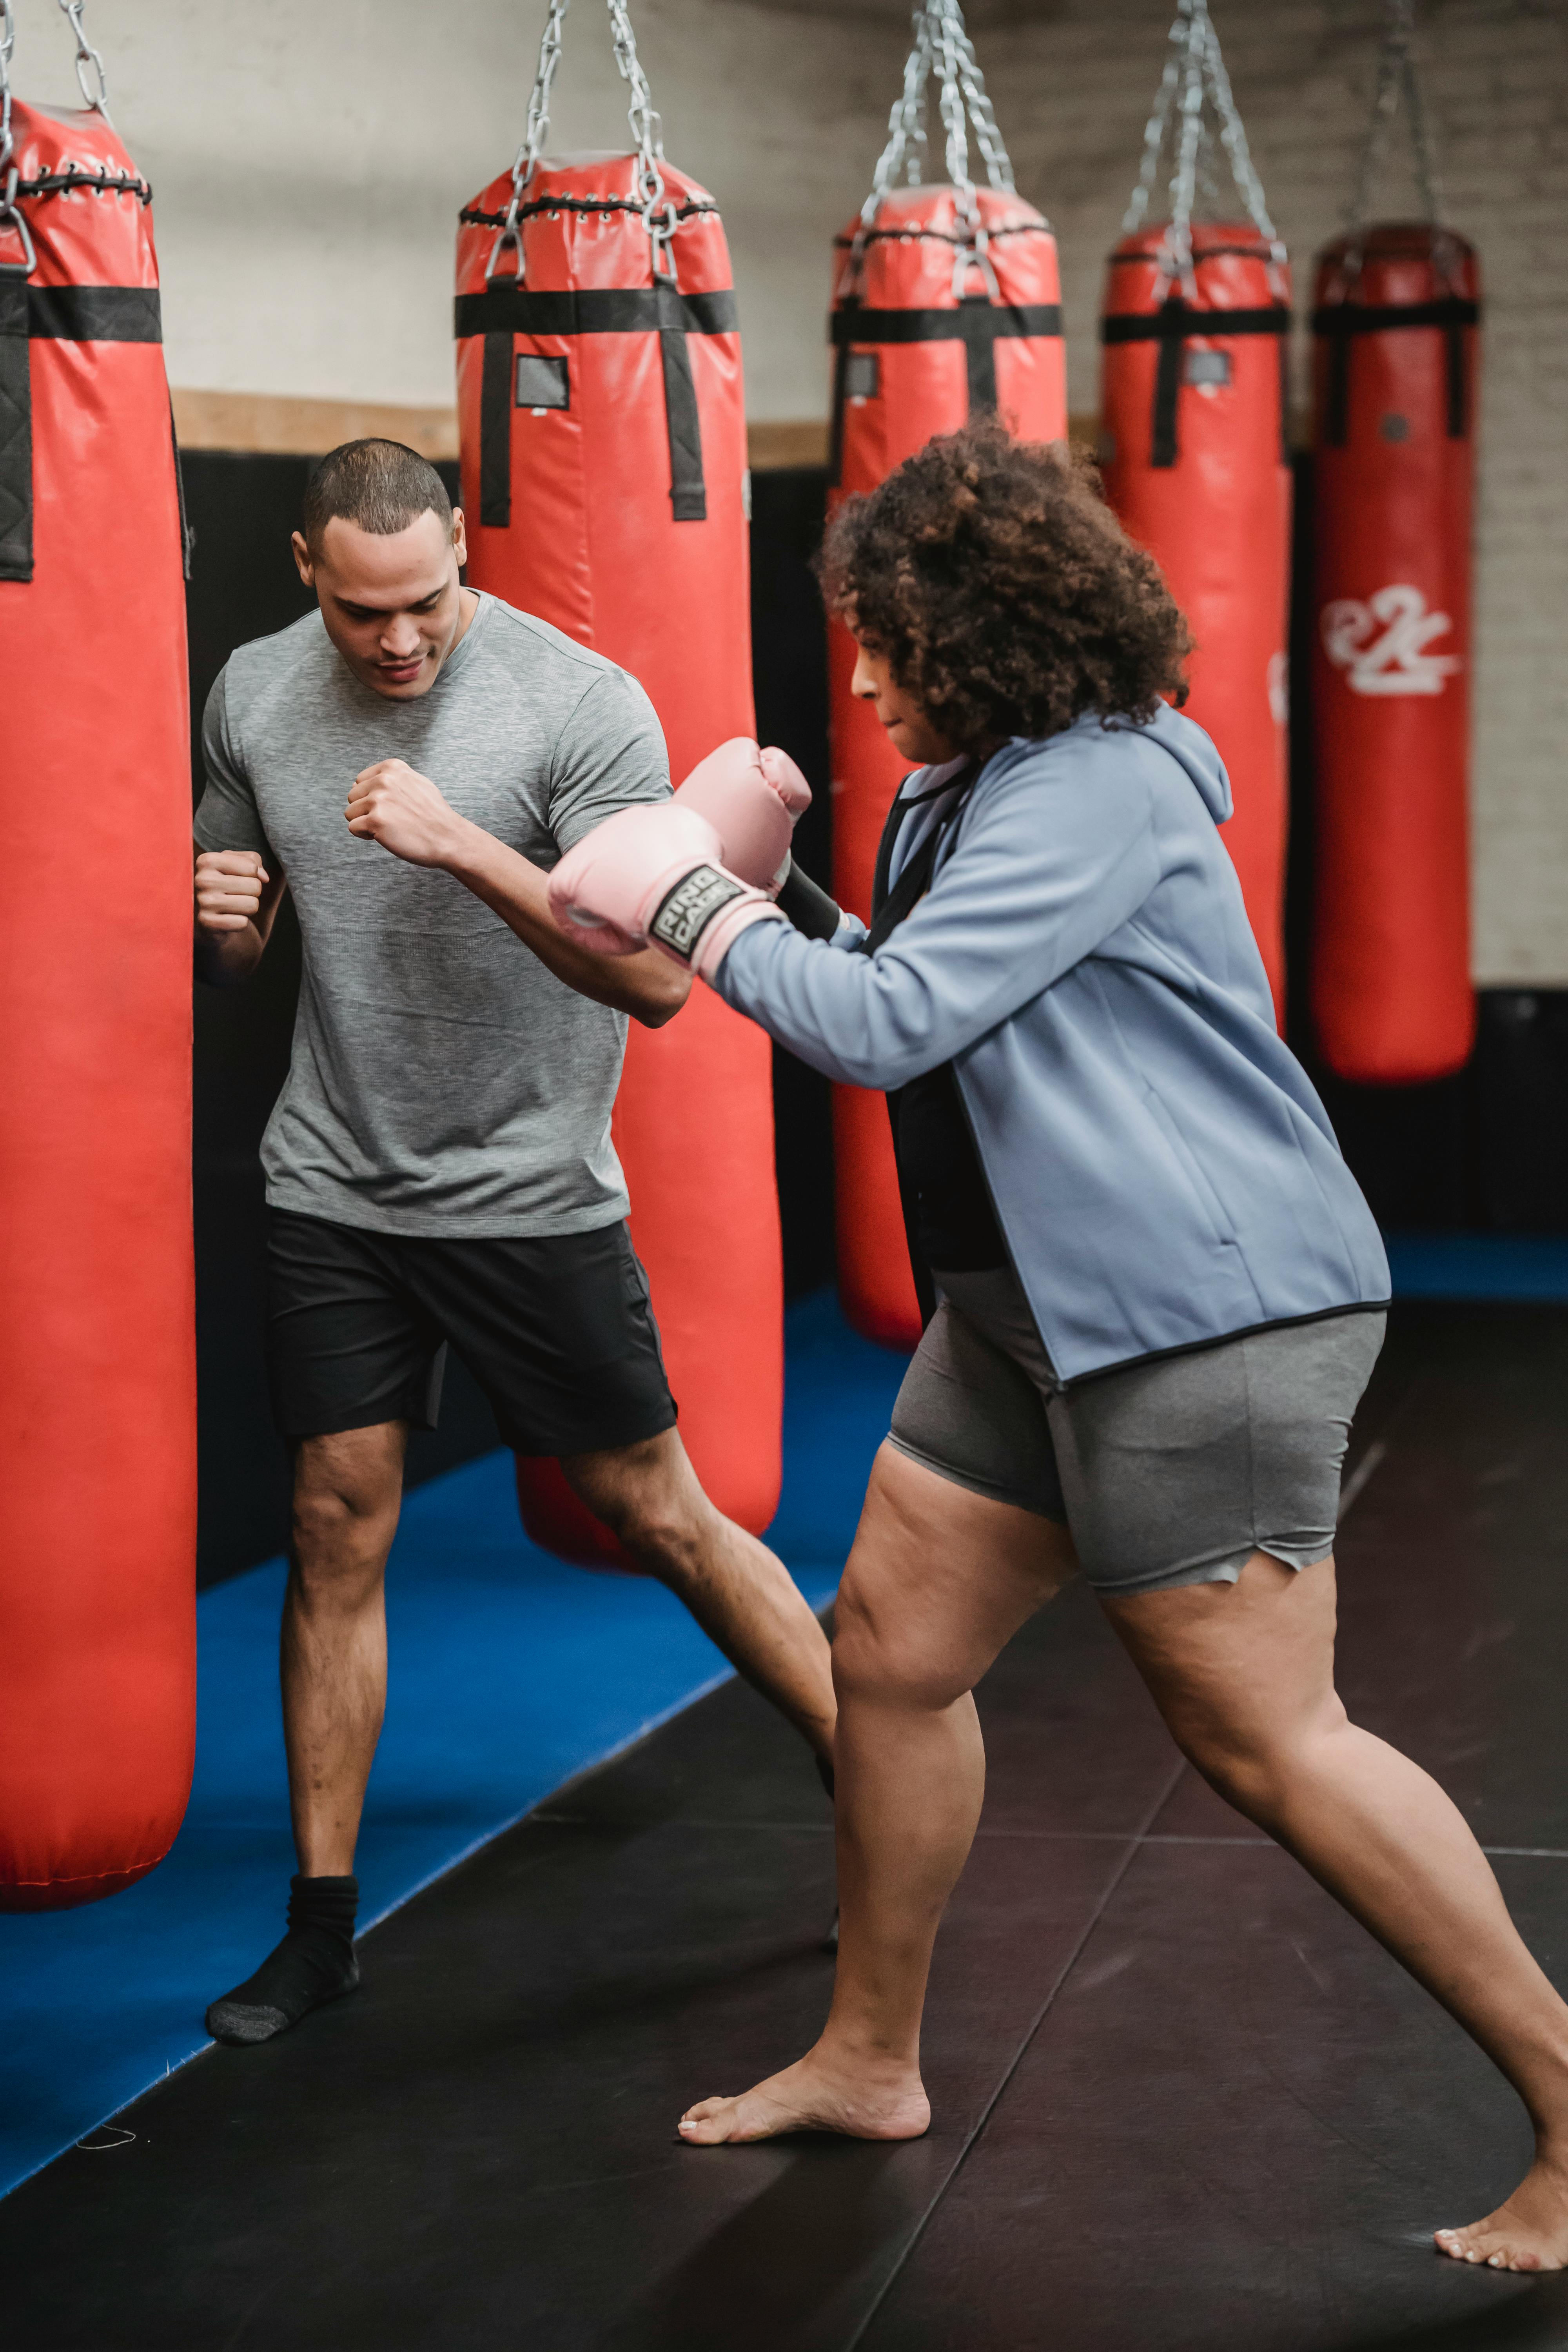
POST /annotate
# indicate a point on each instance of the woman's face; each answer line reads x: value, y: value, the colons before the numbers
x: 909, y: 729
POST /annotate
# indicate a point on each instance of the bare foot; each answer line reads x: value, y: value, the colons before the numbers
x: 1529, y: 2232
x: 865, y: 2100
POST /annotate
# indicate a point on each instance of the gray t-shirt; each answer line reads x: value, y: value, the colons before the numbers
x: 443, y: 1081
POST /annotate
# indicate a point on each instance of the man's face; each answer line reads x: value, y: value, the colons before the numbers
x: 392, y: 604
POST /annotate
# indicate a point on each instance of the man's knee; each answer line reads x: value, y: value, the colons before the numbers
x: 345, y: 1505
x: 658, y: 1515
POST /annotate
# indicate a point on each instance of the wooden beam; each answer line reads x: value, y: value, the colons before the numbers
x: 283, y: 425
x: 277, y: 423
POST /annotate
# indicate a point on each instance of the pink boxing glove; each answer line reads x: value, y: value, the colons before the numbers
x: 653, y: 877
x: 753, y: 800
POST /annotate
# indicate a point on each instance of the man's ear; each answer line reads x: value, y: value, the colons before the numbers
x: 459, y: 537
x: 303, y: 559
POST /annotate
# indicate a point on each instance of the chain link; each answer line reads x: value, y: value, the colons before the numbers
x: 954, y: 123
x: 13, y: 222
x: 941, y: 49
x: 987, y: 137
x: 658, y: 213
x: 659, y: 216
x: 95, y: 92
x: 526, y: 160
x: 905, y: 149
x: 1194, y: 76
x: 1396, y: 78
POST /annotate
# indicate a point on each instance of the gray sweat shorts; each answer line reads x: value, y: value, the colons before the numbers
x: 1172, y: 1472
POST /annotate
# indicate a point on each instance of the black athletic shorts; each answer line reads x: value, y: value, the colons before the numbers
x: 555, y: 1327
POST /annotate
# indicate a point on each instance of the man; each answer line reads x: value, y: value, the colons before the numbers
x: 438, y: 1164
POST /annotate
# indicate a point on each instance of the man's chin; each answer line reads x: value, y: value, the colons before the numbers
x: 400, y: 689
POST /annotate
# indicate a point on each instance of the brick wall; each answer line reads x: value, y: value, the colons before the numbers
x: 1073, y: 95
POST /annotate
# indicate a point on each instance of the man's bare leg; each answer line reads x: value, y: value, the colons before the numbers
x: 744, y: 1596
x: 348, y: 1489
x: 1244, y: 1676
x: 938, y: 1580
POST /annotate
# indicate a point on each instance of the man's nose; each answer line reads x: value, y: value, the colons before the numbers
x: 862, y: 684
x: 400, y: 638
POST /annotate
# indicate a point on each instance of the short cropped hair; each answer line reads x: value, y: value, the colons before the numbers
x: 1003, y: 592
x: 382, y: 485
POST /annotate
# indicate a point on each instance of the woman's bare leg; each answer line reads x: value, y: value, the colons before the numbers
x: 939, y: 1580
x: 1243, y: 1675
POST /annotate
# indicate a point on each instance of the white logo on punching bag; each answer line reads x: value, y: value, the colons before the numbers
x: 1394, y: 661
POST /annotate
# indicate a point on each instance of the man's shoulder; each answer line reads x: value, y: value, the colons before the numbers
x: 264, y: 662
x: 527, y: 647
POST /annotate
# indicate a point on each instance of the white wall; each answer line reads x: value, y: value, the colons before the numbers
x: 310, y: 157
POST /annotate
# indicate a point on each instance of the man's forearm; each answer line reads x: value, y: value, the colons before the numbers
x: 647, y: 986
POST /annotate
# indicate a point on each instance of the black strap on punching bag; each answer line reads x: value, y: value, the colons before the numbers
x: 1171, y: 326
x: 69, y: 314
x: 1341, y: 320
x: 506, y: 309
x: 977, y: 322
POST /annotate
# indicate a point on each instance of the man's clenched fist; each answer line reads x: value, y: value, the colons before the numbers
x: 394, y: 804
x: 229, y: 884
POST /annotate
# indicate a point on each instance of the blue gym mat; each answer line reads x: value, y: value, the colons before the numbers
x: 510, y: 1672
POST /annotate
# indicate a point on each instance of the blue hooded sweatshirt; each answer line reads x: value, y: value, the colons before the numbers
x: 1162, y: 1171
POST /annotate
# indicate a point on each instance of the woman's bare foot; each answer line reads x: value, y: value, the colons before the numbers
x: 1529, y: 2232
x: 865, y: 2099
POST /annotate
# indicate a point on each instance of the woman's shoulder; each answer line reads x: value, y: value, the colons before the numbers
x: 1096, y: 752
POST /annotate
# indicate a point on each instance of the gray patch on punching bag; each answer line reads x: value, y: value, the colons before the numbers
x: 1206, y: 367
x: 542, y: 382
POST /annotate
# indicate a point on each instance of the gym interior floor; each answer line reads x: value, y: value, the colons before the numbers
x: 1181, y: 2101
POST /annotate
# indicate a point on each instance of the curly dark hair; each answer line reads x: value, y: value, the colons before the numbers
x: 1002, y: 591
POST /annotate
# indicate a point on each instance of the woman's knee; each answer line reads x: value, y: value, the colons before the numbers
x: 883, y: 1660
x: 1253, y: 1756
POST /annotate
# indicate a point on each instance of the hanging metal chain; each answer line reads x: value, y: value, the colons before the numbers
x: 955, y: 123
x: 91, y: 80
x: 526, y: 160
x: 13, y: 221
x: 972, y: 82
x: 1194, y: 76
x: 1233, y: 139
x: 905, y: 149
x: 1155, y: 129
x: 658, y: 213
x: 660, y: 216
x: 941, y: 50
x: 1396, y: 78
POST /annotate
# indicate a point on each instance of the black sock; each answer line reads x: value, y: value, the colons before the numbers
x: 315, y: 1962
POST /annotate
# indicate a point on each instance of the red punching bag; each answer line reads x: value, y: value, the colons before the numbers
x: 947, y: 302
x: 1394, y: 318
x: 603, y: 465
x: 96, y: 1307
x: 1195, y: 458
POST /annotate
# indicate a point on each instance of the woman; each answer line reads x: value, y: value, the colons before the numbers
x: 1160, y: 1291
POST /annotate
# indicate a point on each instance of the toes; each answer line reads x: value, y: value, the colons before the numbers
x: 708, y: 2123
